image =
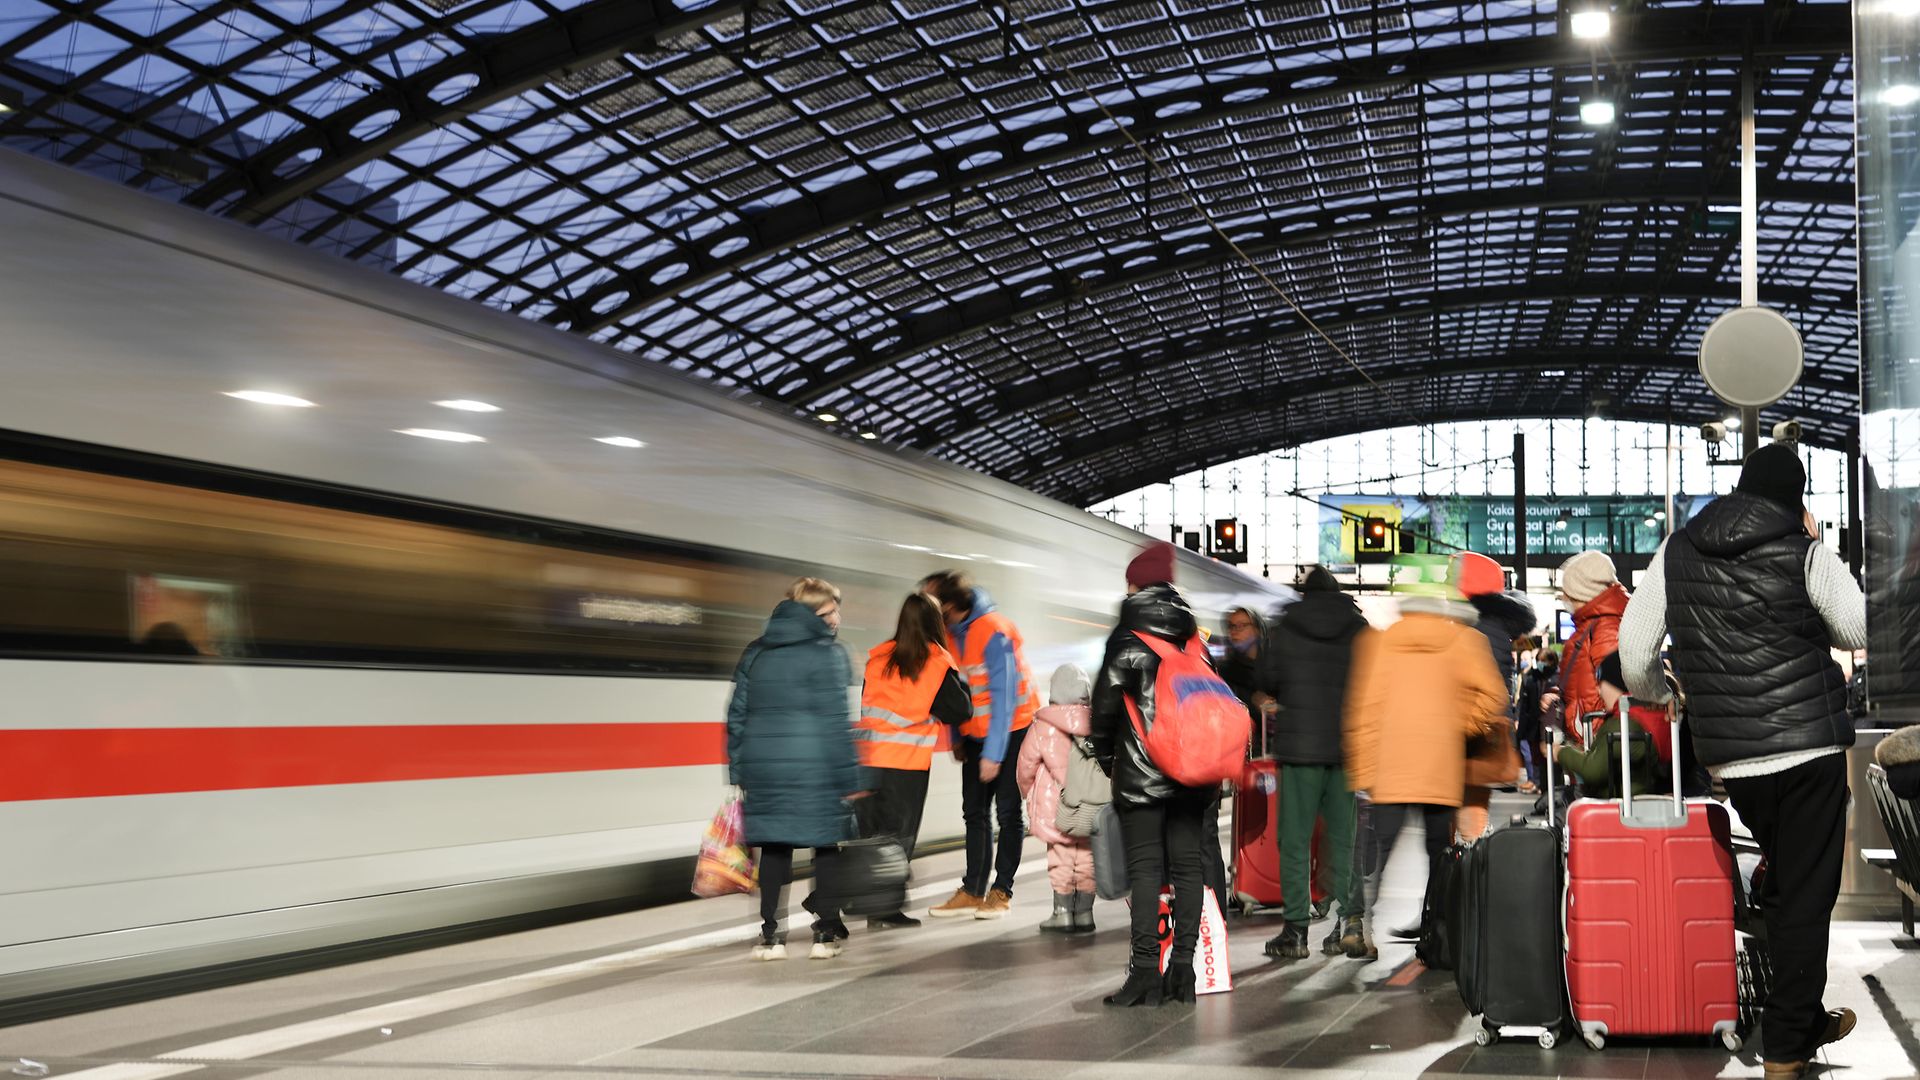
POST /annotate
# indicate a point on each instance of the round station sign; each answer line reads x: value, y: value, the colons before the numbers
x: 1751, y: 357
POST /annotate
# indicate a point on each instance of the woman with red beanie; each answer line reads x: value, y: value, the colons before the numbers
x: 1161, y: 821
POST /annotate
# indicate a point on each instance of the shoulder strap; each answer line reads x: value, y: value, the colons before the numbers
x: 1160, y: 648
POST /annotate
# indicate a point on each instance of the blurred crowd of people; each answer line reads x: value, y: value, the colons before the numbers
x: 1370, y: 729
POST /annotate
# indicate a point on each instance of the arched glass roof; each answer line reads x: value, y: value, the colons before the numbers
x: 937, y: 220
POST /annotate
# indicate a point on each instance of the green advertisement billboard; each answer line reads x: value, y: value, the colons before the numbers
x: 1556, y: 525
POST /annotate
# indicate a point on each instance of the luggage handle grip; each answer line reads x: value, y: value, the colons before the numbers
x: 1626, y: 765
x: 1553, y: 766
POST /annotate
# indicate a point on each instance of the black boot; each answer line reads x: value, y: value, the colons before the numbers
x: 1289, y: 944
x: 1181, y: 982
x: 1141, y: 988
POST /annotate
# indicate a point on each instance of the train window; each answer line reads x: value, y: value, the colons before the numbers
x: 94, y: 564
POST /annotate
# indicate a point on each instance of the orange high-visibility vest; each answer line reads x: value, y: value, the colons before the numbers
x: 973, y: 664
x: 896, y: 729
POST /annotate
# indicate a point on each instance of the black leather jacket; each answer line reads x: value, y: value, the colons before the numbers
x: 1750, y: 648
x: 1128, y: 672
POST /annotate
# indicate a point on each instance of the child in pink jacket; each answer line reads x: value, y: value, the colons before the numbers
x: 1042, y: 772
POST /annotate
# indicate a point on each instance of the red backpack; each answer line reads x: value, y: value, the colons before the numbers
x: 1200, y: 729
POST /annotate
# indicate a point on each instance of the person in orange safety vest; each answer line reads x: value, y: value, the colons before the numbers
x: 994, y: 663
x: 912, y: 686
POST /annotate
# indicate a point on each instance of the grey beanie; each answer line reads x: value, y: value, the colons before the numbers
x: 1070, y: 686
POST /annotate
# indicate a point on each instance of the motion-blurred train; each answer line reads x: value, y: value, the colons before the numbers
x: 278, y: 679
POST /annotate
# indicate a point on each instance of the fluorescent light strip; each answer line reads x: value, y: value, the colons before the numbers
x: 268, y: 397
x: 621, y: 441
x: 467, y: 405
x: 443, y: 436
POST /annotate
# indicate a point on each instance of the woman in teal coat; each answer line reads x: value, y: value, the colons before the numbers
x: 791, y: 752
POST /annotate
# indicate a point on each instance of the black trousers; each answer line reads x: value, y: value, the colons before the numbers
x: 1164, y: 843
x: 982, y: 805
x: 776, y: 873
x: 1383, y: 823
x: 1799, y: 818
x: 894, y: 809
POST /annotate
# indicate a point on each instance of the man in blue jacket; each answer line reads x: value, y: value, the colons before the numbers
x: 988, y: 648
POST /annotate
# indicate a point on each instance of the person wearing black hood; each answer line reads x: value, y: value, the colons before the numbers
x: 1305, y: 669
x: 1756, y: 604
x: 1161, y: 821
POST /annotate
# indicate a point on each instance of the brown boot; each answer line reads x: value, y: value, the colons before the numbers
x: 995, y: 906
x: 1840, y: 1024
x: 961, y: 906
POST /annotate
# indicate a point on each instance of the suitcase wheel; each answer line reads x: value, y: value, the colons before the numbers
x: 1549, y: 1040
x: 1484, y: 1036
x: 1596, y: 1041
x: 1732, y: 1041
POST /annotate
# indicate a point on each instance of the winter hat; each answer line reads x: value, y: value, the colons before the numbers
x: 1774, y: 472
x: 1611, y: 673
x: 1476, y: 575
x: 1070, y: 686
x: 1320, y: 579
x: 1153, y: 566
x: 1587, y: 575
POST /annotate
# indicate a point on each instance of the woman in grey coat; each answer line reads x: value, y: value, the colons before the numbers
x: 791, y: 752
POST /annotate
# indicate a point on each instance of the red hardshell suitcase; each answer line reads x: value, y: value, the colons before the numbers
x: 1649, y: 914
x: 1256, y: 839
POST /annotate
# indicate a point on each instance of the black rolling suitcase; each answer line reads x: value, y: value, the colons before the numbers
x: 1505, y: 922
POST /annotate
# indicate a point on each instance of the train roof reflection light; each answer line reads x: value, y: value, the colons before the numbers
x: 443, y: 436
x: 1900, y: 95
x: 467, y: 405
x: 11, y: 99
x: 621, y: 441
x: 268, y: 397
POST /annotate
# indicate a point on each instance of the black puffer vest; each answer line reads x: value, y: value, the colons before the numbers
x: 1750, y: 648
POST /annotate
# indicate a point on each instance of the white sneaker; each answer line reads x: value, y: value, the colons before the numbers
x: 824, y: 947
x: 770, y: 950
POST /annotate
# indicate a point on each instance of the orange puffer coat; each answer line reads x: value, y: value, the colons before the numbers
x: 1596, y: 636
x: 1421, y: 688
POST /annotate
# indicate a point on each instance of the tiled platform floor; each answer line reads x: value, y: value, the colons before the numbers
x: 670, y: 993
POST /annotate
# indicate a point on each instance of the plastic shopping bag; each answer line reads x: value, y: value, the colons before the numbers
x: 725, y: 864
x: 1211, y: 973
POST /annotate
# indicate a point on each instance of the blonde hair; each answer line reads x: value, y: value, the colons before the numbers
x: 813, y: 592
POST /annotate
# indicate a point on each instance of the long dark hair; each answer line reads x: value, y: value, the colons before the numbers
x: 919, y: 632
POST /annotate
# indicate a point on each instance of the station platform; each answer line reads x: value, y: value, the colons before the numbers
x: 671, y: 992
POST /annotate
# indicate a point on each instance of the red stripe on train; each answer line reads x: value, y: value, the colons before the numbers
x: 82, y: 763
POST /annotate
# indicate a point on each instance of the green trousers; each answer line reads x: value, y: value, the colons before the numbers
x: 1309, y: 793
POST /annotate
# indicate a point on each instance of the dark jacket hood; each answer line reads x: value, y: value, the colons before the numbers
x: 1737, y: 523
x: 1325, y: 616
x: 1505, y: 612
x: 793, y: 622
x: 1159, y: 610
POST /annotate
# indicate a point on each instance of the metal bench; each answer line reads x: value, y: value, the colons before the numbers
x: 1902, y: 860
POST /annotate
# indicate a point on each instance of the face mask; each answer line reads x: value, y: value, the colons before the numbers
x: 1526, y: 663
x: 1246, y: 648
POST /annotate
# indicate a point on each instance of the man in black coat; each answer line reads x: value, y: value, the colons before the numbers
x: 1304, y: 668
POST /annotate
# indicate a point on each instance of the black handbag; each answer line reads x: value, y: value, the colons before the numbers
x: 873, y: 876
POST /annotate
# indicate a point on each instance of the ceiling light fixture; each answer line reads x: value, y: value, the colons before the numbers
x: 1900, y: 95
x: 868, y: 435
x: 443, y: 436
x: 826, y: 418
x: 1733, y: 423
x: 1592, y: 24
x: 11, y: 99
x: 468, y: 405
x: 621, y: 441
x: 268, y: 397
x: 1596, y: 113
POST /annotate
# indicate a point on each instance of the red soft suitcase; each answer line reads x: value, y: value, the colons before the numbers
x: 1649, y: 915
x: 1256, y: 839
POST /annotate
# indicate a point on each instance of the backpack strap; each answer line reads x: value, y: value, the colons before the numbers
x: 1161, y: 648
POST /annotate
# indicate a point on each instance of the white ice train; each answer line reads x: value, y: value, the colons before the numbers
x: 281, y: 679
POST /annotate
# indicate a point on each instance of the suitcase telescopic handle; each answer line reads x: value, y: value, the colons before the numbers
x: 1553, y: 766
x: 1626, y: 764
